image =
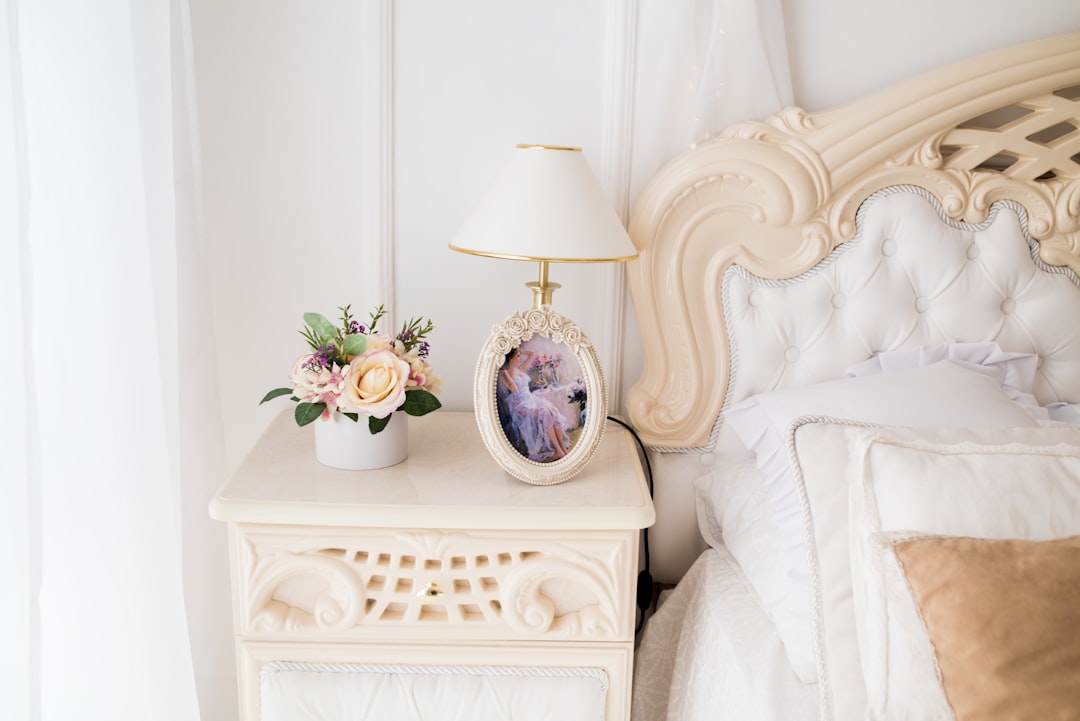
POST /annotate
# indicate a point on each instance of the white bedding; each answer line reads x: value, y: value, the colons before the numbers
x: 711, y: 653
x: 713, y: 650
x: 950, y: 247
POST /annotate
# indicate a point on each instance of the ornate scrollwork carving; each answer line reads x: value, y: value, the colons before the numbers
x: 335, y: 594
x: 300, y: 586
x: 528, y: 609
x: 777, y: 196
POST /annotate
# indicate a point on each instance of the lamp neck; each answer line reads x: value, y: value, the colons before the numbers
x: 543, y: 289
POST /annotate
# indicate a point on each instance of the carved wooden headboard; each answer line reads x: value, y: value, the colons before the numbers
x: 777, y: 197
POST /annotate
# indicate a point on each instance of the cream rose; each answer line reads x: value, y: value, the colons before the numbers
x: 377, y: 341
x: 375, y: 383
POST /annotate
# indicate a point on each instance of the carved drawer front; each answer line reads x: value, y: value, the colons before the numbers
x: 350, y: 584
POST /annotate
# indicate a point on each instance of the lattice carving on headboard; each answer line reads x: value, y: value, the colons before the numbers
x: 777, y: 196
x: 1036, y: 140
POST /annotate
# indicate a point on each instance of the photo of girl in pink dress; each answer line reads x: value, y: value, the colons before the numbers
x: 539, y: 399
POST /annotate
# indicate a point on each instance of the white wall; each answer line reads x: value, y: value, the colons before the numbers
x: 344, y: 142
x: 844, y: 49
x: 289, y: 93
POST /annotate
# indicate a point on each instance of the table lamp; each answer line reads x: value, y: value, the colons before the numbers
x: 540, y: 397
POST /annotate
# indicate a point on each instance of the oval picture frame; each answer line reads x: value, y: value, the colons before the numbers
x: 539, y: 395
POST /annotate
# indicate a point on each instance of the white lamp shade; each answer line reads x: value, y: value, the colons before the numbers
x: 546, y: 206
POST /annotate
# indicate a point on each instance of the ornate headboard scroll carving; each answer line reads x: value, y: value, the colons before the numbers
x: 775, y: 197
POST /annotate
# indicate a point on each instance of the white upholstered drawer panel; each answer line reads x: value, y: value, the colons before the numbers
x: 376, y: 692
x: 346, y: 583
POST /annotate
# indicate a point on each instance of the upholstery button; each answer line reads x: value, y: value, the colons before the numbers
x: 921, y: 304
x: 888, y: 247
x: 972, y: 252
x: 1008, y: 306
x: 839, y: 300
x: 1039, y: 361
x: 791, y: 354
x: 754, y: 299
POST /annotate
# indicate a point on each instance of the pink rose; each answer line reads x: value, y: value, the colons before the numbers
x: 375, y: 383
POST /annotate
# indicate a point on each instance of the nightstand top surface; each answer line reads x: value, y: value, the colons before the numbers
x: 448, y: 481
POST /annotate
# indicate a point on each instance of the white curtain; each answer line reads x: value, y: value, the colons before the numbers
x: 106, y: 354
x: 703, y: 65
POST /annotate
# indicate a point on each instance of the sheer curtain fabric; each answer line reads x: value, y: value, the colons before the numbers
x: 98, y: 212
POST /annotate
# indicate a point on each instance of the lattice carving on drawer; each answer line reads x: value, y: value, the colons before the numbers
x: 458, y: 582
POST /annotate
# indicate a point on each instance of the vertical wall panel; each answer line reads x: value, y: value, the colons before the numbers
x: 375, y: 138
x: 282, y: 89
x: 619, y: 45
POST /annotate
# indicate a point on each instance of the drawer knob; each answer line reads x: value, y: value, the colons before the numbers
x: 432, y: 590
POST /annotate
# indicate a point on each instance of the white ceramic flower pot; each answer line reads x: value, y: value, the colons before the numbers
x: 340, y: 443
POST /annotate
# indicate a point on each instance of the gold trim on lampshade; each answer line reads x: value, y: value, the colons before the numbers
x: 546, y: 205
x: 536, y: 146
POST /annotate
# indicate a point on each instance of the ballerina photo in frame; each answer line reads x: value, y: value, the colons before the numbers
x: 540, y: 398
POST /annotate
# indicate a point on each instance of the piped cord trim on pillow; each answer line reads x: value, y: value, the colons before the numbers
x: 817, y: 629
x: 950, y: 487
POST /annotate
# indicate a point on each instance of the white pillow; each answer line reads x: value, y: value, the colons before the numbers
x: 773, y: 552
x: 1019, y: 483
x: 724, y: 495
x: 820, y: 453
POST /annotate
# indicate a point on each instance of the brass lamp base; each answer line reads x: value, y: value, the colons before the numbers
x: 543, y: 290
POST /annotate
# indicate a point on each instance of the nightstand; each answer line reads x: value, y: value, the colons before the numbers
x: 439, y: 583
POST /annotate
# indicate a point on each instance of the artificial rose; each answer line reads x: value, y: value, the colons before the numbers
x: 314, y: 383
x: 421, y: 374
x: 375, y: 383
x: 377, y: 341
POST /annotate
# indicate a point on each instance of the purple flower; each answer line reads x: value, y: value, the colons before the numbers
x: 323, y: 358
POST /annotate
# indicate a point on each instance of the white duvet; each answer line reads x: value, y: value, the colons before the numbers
x: 711, y: 653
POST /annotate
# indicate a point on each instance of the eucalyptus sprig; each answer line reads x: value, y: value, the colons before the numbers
x: 334, y: 345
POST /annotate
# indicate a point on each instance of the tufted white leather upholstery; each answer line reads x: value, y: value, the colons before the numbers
x: 910, y: 277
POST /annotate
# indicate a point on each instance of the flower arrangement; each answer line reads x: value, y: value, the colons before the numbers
x: 358, y: 371
x: 545, y: 369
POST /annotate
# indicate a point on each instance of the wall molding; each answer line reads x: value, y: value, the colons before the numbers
x: 375, y: 37
x: 620, y: 47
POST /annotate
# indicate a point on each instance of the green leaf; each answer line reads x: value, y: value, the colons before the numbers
x: 375, y: 425
x: 354, y: 417
x: 419, y: 402
x: 275, y: 393
x: 322, y: 327
x: 307, y: 412
x: 354, y: 344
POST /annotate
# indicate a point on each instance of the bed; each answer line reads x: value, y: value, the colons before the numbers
x: 860, y: 395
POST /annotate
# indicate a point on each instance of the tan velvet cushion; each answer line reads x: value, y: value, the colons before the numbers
x: 1004, y: 620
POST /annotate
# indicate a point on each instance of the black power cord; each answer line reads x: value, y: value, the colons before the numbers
x: 644, y: 579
